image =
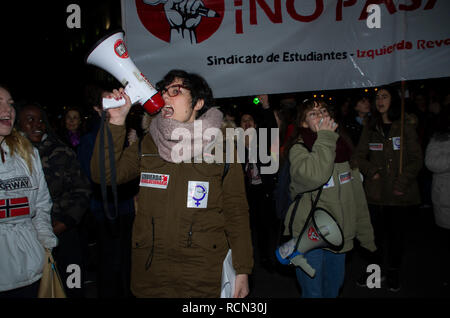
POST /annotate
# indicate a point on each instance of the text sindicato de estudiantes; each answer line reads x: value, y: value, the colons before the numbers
x: 275, y: 57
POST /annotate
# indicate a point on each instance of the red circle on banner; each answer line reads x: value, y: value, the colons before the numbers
x: 153, y: 18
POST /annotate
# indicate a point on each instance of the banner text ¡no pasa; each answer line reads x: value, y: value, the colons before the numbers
x: 276, y: 16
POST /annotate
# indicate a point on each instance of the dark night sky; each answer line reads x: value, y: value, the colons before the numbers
x: 36, y: 60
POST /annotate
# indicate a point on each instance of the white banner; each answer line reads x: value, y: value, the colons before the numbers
x: 249, y: 47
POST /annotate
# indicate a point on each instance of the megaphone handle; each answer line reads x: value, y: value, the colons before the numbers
x: 307, y: 268
x: 112, y: 103
x: 301, y: 261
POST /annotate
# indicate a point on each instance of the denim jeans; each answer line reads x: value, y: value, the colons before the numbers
x: 330, y: 272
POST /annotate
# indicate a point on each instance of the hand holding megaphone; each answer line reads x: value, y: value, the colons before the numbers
x: 326, y: 123
x: 114, y: 102
x: 118, y: 115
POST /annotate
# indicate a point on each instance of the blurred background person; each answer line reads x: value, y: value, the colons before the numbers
x: 437, y: 160
x: 72, y: 127
x: 111, y: 252
x: 391, y: 195
x: 69, y: 189
x: 259, y: 187
x: 359, y: 111
x: 285, y: 112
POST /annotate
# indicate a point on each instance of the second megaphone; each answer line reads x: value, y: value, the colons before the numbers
x: 111, y: 54
x: 322, y: 231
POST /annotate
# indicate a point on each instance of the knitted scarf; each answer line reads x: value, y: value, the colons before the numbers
x: 168, y: 133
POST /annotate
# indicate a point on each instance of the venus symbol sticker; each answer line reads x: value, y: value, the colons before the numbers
x: 197, y: 196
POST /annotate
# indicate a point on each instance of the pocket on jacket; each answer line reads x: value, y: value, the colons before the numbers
x: 373, y: 189
x: 25, y: 260
x: 143, y: 232
x: 143, y: 244
x: 210, y: 244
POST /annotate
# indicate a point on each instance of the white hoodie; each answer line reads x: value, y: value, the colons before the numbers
x: 25, y: 224
x: 437, y: 160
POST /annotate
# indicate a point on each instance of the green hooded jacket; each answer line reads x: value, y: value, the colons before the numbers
x: 342, y: 194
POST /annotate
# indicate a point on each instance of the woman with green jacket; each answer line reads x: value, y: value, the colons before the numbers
x: 319, y: 157
x: 391, y: 186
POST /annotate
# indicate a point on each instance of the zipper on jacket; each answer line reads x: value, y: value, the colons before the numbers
x: 189, y: 240
x: 150, y: 255
x: 149, y: 155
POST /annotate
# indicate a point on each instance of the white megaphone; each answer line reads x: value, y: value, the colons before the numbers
x: 111, y: 54
x: 322, y: 231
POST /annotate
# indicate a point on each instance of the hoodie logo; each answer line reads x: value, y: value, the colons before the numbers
x: 15, y: 183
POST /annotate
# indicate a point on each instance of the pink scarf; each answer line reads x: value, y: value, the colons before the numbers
x: 168, y: 133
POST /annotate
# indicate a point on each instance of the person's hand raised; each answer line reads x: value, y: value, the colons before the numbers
x: 327, y: 124
x: 118, y: 115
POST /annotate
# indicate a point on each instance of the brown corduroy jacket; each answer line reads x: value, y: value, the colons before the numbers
x: 181, y: 238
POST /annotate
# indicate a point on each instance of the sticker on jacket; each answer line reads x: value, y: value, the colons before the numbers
x: 345, y: 177
x: 10, y: 208
x: 396, y: 143
x: 329, y: 184
x: 376, y: 146
x: 197, y: 196
x: 154, y: 180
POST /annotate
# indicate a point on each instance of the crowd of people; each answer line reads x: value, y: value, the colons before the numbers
x: 151, y: 226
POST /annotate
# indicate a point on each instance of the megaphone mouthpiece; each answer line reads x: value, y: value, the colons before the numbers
x: 324, y: 230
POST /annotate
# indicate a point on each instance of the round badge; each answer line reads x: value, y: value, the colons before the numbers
x: 120, y: 49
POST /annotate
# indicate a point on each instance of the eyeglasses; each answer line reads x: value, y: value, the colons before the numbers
x: 173, y: 90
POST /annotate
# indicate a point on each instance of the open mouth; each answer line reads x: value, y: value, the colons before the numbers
x: 381, y: 108
x: 6, y: 121
x: 167, y: 111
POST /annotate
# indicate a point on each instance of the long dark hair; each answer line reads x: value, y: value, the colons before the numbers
x: 287, y: 112
x: 394, y: 111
